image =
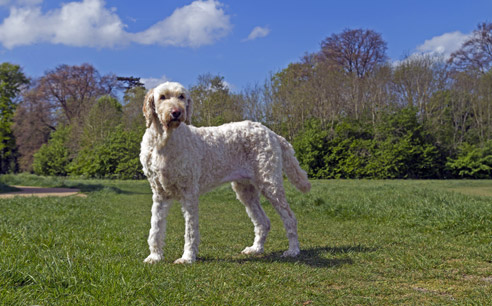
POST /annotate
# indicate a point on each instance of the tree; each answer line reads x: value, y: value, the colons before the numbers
x: 11, y: 81
x: 130, y: 82
x: 290, y: 105
x: 476, y: 52
x: 254, y: 103
x: 108, y: 149
x: 472, y: 161
x: 116, y: 156
x: 403, y: 149
x: 379, y: 95
x: 102, y: 120
x: 72, y: 90
x: 305, y: 90
x: 213, y: 104
x: 355, y: 51
x: 416, y: 79
x: 54, y: 157
x: 62, y: 97
x: 311, y: 145
x: 472, y: 78
x: 32, y: 127
x: 133, y: 118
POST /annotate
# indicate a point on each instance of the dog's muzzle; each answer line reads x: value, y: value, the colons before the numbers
x: 175, y: 115
x: 175, y: 118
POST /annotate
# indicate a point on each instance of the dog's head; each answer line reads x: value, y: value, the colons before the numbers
x: 169, y: 104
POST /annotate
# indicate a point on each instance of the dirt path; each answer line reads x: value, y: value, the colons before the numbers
x: 28, y: 191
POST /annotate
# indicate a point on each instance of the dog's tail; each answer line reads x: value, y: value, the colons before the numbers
x: 294, y: 172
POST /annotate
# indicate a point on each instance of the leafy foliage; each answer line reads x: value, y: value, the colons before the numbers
x: 53, y: 157
x: 348, y: 112
x: 472, y: 161
x: 11, y: 80
x: 213, y: 103
x: 406, y: 150
x: 311, y: 145
x: 396, y: 148
x: 117, y: 156
x: 108, y: 150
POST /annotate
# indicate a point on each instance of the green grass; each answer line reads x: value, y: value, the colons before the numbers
x: 362, y: 242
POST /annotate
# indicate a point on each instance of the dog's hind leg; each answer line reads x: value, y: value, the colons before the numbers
x: 274, y: 191
x: 250, y: 197
x: 160, y: 209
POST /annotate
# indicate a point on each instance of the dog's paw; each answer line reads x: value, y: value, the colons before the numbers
x: 183, y: 261
x: 153, y: 258
x: 291, y: 253
x: 252, y: 250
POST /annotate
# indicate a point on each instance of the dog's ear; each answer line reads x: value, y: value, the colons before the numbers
x: 149, y: 108
x: 189, y: 110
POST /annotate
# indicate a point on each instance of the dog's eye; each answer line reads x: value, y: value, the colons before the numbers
x: 162, y: 97
x: 181, y: 97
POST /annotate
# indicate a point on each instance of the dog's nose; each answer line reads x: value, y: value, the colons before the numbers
x: 175, y: 114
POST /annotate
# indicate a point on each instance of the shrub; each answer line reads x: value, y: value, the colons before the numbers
x: 397, y: 147
x: 472, y: 161
x: 53, y: 157
x: 117, y: 156
x: 311, y: 145
x: 403, y: 149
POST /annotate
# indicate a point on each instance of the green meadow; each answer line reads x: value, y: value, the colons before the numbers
x: 366, y: 242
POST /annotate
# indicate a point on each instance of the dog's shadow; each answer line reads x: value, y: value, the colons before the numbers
x: 314, y: 257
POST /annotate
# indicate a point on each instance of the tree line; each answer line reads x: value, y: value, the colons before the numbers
x: 348, y: 110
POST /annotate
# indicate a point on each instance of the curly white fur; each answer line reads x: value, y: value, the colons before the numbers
x: 182, y: 161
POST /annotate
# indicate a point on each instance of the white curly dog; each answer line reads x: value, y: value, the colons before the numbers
x: 182, y: 161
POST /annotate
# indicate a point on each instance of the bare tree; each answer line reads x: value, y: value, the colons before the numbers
x: 378, y: 92
x: 33, y: 124
x: 323, y: 90
x: 253, y: 100
x: 72, y: 90
x: 291, y: 106
x: 417, y: 78
x: 355, y: 51
x: 476, y: 52
x: 132, y: 108
x: 102, y: 120
x: 63, y: 96
x: 213, y: 103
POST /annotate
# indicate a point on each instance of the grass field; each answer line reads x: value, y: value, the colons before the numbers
x: 362, y: 242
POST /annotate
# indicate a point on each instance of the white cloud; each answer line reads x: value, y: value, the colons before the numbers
x: 89, y: 23
x: 194, y: 25
x: 444, y: 44
x: 258, y: 32
x: 153, y: 82
x: 85, y: 23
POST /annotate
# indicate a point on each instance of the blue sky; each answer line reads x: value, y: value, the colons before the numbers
x: 243, y: 41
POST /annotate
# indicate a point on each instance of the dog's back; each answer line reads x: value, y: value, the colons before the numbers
x: 248, y: 142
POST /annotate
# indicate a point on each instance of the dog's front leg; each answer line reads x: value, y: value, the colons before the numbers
x: 160, y: 208
x: 192, y: 233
